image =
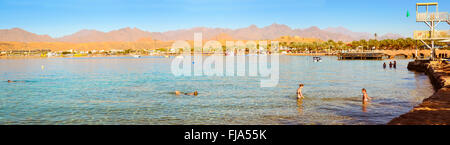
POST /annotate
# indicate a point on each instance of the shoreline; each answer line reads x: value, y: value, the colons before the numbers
x: 434, y: 110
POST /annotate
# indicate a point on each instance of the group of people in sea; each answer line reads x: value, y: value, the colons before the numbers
x: 394, y: 65
x: 365, y: 97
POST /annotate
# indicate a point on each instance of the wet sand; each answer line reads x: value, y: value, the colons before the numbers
x: 434, y: 110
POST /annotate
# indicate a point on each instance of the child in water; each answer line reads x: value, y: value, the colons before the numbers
x: 365, y: 97
x: 299, y: 91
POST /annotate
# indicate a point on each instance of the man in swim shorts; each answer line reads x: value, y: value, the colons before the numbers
x: 365, y: 97
x: 299, y: 91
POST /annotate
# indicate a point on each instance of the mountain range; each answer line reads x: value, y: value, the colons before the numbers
x: 251, y: 32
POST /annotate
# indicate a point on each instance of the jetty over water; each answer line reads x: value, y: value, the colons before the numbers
x: 361, y: 56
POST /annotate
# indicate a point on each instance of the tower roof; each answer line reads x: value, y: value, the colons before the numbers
x: 427, y: 4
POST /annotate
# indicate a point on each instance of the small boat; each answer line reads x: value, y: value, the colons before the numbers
x: 229, y: 54
x: 136, y: 56
x: 317, y: 59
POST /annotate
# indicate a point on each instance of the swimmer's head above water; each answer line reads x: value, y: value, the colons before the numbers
x: 192, y: 94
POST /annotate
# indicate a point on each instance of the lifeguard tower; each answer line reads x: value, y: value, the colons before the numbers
x: 432, y: 19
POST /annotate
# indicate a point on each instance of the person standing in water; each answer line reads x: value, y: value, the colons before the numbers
x: 365, y: 97
x: 390, y: 64
x: 384, y: 65
x: 395, y: 64
x: 299, y: 91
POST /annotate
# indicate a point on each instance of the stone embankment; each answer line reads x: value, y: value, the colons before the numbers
x: 434, y: 110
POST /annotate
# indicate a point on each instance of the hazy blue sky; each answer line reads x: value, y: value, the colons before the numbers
x: 62, y: 17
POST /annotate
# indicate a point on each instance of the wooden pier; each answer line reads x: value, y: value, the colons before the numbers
x: 361, y: 56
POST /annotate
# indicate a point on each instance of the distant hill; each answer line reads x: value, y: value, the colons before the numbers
x: 124, y: 34
x: 390, y: 36
x: 361, y: 35
x: 19, y: 35
x: 297, y: 39
x: 222, y: 36
x: 251, y: 32
x: 353, y: 35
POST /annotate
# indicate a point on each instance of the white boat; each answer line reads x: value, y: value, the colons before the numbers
x: 229, y: 53
x: 136, y: 56
x: 317, y: 59
x: 51, y: 54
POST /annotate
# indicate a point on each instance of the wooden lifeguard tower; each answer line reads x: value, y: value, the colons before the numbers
x: 432, y: 19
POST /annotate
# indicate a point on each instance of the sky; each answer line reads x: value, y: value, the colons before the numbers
x: 58, y: 18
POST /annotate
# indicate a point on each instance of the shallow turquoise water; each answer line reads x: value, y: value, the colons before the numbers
x: 126, y: 90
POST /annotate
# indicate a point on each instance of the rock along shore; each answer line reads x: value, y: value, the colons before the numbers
x: 434, y: 110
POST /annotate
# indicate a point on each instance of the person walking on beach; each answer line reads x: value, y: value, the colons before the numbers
x: 384, y: 65
x: 365, y: 97
x: 299, y: 91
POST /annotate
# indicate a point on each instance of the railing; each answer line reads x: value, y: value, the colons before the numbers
x: 443, y: 34
x: 440, y: 16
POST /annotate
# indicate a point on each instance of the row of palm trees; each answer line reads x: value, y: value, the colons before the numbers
x: 386, y: 44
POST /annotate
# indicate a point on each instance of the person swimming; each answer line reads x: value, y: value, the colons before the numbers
x: 12, y: 81
x: 365, y: 97
x: 191, y: 94
x: 299, y: 92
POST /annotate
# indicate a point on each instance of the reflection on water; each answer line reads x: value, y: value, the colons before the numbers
x: 125, y: 90
x: 300, y: 106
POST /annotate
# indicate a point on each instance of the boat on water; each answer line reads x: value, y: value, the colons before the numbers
x: 229, y: 54
x: 136, y: 56
x: 50, y: 54
x: 317, y: 59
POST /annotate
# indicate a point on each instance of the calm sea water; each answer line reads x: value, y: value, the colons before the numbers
x: 126, y: 90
